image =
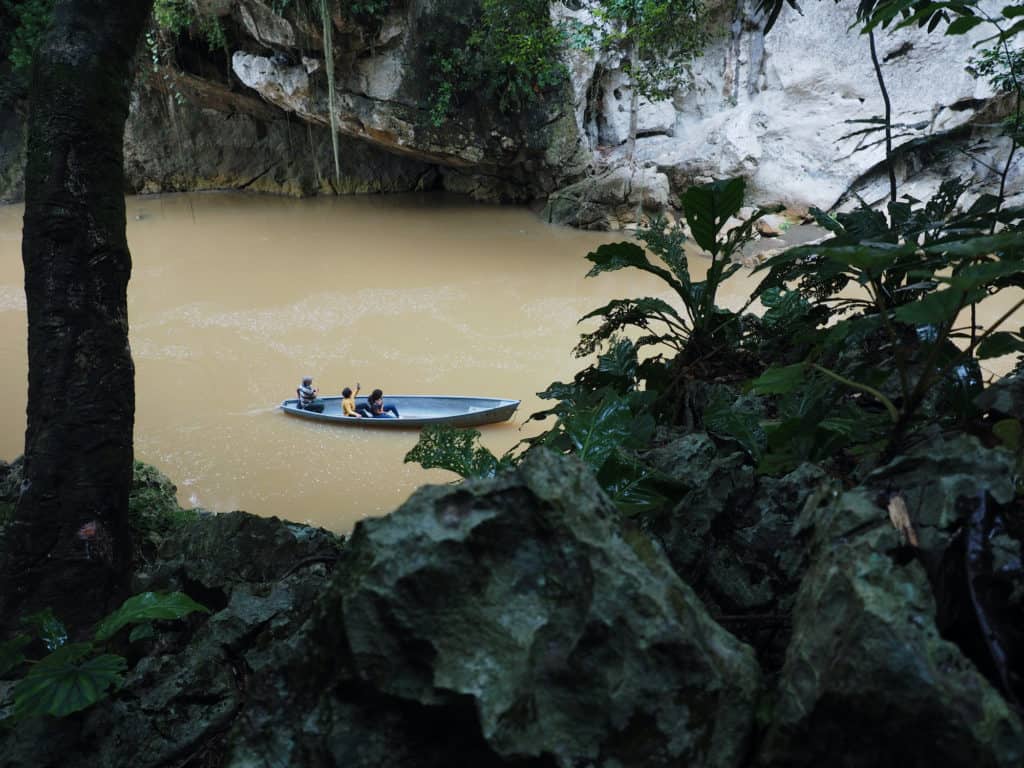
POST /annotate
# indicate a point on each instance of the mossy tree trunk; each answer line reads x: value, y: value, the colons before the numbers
x: 69, y: 546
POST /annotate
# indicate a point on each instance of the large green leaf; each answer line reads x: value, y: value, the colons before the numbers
x: 619, y: 361
x: 935, y: 308
x: 614, y: 256
x: 596, y: 433
x: 979, y: 246
x: 871, y: 259
x: 865, y: 224
x: 778, y: 380
x: 709, y: 206
x: 984, y: 273
x: 723, y: 419
x: 646, y: 313
x: 457, y: 450
x: 148, y: 606
x: 66, y: 681
x: 630, y: 484
x: 963, y: 25
x: 11, y: 653
x: 999, y: 344
x: 634, y: 309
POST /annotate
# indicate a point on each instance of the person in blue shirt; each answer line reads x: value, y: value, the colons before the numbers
x: 375, y: 404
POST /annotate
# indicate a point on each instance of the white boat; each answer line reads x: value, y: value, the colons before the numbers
x: 415, y: 410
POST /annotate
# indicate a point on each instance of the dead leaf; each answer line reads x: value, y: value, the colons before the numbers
x: 900, y: 518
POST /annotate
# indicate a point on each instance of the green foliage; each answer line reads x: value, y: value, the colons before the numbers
x: 12, y: 653
x: 493, y: 52
x: 724, y: 419
x: 146, y: 607
x: 48, y: 628
x: 32, y: 18
x: 74, y: 676
x: 868, y: 340
x: 68, y: 680
x: 369, y: 14
x: 153, y: 505
x: 601, y: 427
x: 702, y: 326
x: 658, y: 37
x: 174, y: 18
x: 920, y: 268
x: 605, y: 427
x: 457, y: 450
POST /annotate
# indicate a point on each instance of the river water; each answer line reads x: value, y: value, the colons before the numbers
x: 234, y: 297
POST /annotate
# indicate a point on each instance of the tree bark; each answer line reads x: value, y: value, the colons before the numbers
x: 69, y: 546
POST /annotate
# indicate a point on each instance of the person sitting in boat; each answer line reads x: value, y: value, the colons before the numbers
x: 348, y: 403
x: 375, y: 404
x: 307, y: 396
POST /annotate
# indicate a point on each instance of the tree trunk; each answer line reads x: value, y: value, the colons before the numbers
x: 69, y: 546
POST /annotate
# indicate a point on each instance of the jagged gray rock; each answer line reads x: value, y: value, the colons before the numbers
x: 730, y: 537
x: 520, y: 599
x: 868, y: 680
x: 194, y: 134
x: 261, y: 549
x: 260, y: 577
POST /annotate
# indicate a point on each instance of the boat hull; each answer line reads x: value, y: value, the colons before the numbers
x: 416, y: 411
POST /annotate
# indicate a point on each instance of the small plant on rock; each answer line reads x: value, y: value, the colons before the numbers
x: 74, y: 676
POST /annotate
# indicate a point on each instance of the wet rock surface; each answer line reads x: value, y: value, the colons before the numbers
x: 731, y: 537
x: 196, y: 135
x: 876, y: 620
x: 519, y: 621
x: 867, y: 658
x: 187, y: 684
x: 519, y: 599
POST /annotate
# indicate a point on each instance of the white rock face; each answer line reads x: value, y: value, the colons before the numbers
x: 285, y: 85
x: 612, y: 123
x: 781, y: 110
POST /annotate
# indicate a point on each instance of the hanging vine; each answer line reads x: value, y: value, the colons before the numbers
x: 325, y: 16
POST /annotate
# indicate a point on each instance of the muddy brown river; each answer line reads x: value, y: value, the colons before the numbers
x: 233, y: 298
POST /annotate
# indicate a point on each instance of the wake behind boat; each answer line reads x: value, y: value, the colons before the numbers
x: 416, y: 410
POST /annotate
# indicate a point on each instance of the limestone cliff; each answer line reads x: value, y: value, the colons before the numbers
x: 780, y: 109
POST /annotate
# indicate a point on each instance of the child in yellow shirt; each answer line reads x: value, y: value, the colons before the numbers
x: 348, y: 402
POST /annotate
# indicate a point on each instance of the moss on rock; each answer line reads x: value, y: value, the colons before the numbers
x: 153, y: 509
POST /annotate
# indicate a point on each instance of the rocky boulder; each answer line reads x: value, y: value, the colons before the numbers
x: 614, y: 198
x: 869, y: 680
x: 730, y: 537
x: 382, y: 93
x: 515, y: 607
x: 188, y: 682
x: 187, y: 133
x: 259, y: 550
